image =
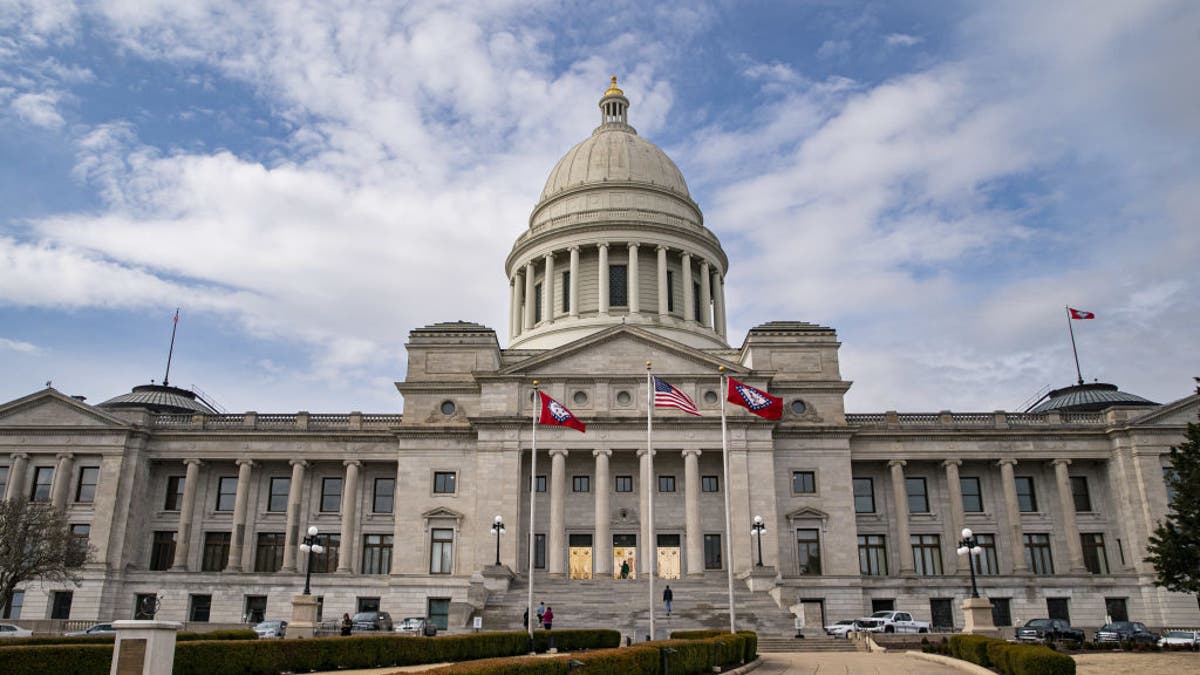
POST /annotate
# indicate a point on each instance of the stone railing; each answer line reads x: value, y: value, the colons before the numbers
x: 300, y: 421
x: 996, y: 420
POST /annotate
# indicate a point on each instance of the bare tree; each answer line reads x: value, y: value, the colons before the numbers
x: 36, y: 544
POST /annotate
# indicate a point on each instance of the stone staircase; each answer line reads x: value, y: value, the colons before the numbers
x: 810, y: 643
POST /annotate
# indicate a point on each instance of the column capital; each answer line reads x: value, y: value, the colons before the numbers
x: 573, y: 248
x: 1007, y: 461
x: 951, y: 462
x: 64, y: 455
x: 242, y: 461
x: 557, y: 451
x: 685, y: 254
x: 298, y: 462
x: 1060, y: 461
x: 633, y: 244
x: 548, y: 256
x: 896, y: 463
x: 193, y: 460
x: 20, y: 455
x: 602, y: 244
x: 662, y: 247
x: 605, y: 452
x: 692, y: 452
x: 642, y: 451
x: 352, y: 462
x: 529, y: 266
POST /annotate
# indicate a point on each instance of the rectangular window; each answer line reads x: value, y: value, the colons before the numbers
x: 864, y: 495
x: 1080, y: 493
x: 696, y: 300
x: 226, y: 493
x: 537, y: 303
x: 710, y: 484
x: 872, y: 555
x: 618, y: 286
x: 216, y: 551
x: 43, y: 476
x: 441, y: 551
x: 255, y: 608
x: 927, y: 554
x: 268, y: 554
x: 539, y: 551
x: 986, y: 563
x: 277, y: 502
x: 1026, y: 497
x: 712, y: 551
x: 80, y: 532
x: 566, y: 292
x: 331, y: 495
x: 581, y: 483
x: 174, y: 499
x: 368, y: 604
x: 624, y: 484
x: 3, y: 483
x: 1037, y: 554
x: 918, y: 497
x: 439, y: 612
x: 1001, y: 611
x: 1094, y: 557
x: 377, y: 554
x: 666, y: 483
x: 200, y: 607
x: 85, y: 489
x: 326, y: 562
x: 60, y: 604
x: 972, y: 495
x: 1169, y: 481
x: 808, y: 551
x: 804, y: 482
x: 1117, y: 609
x: 670, y: 291
x: 382, y: 501
x: 443, y: 482
x: 162, y: 551
x: 13, y: 610
x: 541, y: 483
x: 883, y: 605
x: 1058, y: 608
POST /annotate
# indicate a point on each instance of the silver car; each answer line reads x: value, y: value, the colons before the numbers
x: 411, y: 625
x: 271, y: 629
x: 98, y: 629
x: 8, y: 630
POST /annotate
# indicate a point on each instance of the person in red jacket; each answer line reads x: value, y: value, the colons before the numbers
x: 548, y: 618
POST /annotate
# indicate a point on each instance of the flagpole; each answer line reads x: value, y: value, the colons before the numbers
x: 728, y: 528
x: 1073, y: 350
x: 652, y: 553
x: 171, y: 352
x: 532, y: 498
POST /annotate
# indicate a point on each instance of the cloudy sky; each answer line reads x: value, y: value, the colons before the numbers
x: 311, y: 180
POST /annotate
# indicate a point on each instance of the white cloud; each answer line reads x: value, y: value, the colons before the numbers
x: 19, y: 346
x: 39, y: 109
x: 901, y: 40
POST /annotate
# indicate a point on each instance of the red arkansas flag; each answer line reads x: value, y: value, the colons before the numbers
x: 557, y: 414
x: 1080, y: 314
x: 756, y: 401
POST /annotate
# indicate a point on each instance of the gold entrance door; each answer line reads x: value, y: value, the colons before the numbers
x: 668, y: 562
x: 581, y: 562
x: 625, y: 555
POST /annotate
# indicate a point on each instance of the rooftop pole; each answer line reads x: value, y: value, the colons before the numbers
x: 1073, y: 349
x: 171, y: 353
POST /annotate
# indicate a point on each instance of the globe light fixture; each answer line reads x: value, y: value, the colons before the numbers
x: 497, y: 530
x: 310, y: 546
x: 969, y: 546
x: 756, y: 530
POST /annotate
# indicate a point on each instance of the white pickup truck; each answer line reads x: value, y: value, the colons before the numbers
x: 890, y: 622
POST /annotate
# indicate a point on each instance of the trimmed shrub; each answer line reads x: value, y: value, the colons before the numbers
x: 229, y: 634
x: 638, y: 659
x: 87, y: 659
x: 972, y: 648
x: 59, y: 640
x: 1038, y: 660
x: 1009, y: 658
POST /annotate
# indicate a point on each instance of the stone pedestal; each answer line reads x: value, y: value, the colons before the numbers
x: 144, y: 647
x: 977, y: 617
x: 496, y: 578
x: 760, y: 578
x: 304, y: 617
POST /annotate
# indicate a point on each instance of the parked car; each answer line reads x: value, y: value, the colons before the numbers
x: 8, y: 630
x: 1126, y: 631
x: 411, y: 625
x: 891, y: 622
x: 271, y: 629
x: 372, y: 621
x: 1180, y: 639
x: 98, y: 629
x: 840, y: 628
x: 1048, y: 630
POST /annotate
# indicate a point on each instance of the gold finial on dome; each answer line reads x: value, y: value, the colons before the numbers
x: 612, y: 88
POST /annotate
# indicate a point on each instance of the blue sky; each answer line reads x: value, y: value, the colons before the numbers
x: 311, y: 180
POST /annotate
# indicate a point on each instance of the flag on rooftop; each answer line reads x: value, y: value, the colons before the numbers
x: 667, y: 396
x: 756, y: 401
x: 1080, y: 314
x: 557, y: 414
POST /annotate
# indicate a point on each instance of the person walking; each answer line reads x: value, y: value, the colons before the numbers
x: 347, y: 624
x: 541, y: 610
x: 624, y: 569
x: 525, y: 618
x: 548, y: 618
x: 668, y: 596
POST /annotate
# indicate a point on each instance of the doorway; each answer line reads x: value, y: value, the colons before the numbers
x: 941, y: 614
x: 1057, y: 609
x: 580, y: 556
x: 624, y: 556
x: 814, y: 613
x: 1115, y: 609
x: 668, y: 556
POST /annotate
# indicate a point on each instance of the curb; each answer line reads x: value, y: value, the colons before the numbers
x: 965, y: 666
x: 752, y: 666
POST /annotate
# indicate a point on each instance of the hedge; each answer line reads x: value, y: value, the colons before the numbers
x: 750, y: 650
x: 182, y: 636
x: 89, y: 659
x: 1010, y: 658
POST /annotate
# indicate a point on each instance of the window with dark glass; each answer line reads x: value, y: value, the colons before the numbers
x: 441, y: 555
x: 216, y: 552
x: 670, y: 291
x: 710, y: 484
x: 3, y: 482
x: 986, y: 563
x: 85, y: 489
x: 1080, y: 493
x: 326, y: 561
x: 581, y: 483
x: 712, y: 551
x: 918, y: 497
x: 443, y: 482
x: 385, y: 494
x: 377, y: 554
x: 1169, y: 481
x: 200, y: 608
x: 278, y: 499
x: 43, y: 477
x: 255, y: 608
x: 438, y: 611
x: 1026, y: 497
x: 541, y: 484
x: 268, y: 554
x: 618, y: 285
x: 624, y: 484
x: 696, y: 300
x: 666, y: 483
x: 60, y: 604
x: 872, y: 555
x: 15, y: 605
x: 1001, y: 611
x: 1094, y: 558
x: 174, y: 500
x: 1037, y: 553
x: 537, y: 303
x: 804, y: 482
x: 331, y: 495
x: 80, y: 533
x: 539, y: 551
x: 972, y: 495
x: 808, y: 551
x: 927, y: 554
x: 226, y: 493
x: 566, y: 291
x: 162, y: 550
x: 864, y: 495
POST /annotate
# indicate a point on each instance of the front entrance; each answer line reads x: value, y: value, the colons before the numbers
x: 941, y: 613
x: 814, y: 613
x: 624, y: 556
x: 580, y: 556
x: 668, y: 556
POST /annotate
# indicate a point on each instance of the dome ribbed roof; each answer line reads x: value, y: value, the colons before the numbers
x: 615, y: 154
x: 160, y: 399
x: 1090, y: 397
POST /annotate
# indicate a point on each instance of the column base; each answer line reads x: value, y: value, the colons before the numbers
x: 304, y: 617
x: 977, y: 617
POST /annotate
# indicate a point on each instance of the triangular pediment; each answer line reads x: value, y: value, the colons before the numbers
x: 1179, y: 412
x: 622, y: 350
x: 807, y: 513
x: 50, y: 408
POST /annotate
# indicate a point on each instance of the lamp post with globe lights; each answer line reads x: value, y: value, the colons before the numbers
x: 310, y: 546
x: 969, y: 546
x: 757, y: 530
x: 497, y: 530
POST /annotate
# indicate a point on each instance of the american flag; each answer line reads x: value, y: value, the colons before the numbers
x: 666, y: 396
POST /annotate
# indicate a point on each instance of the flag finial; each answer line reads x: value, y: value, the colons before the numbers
x: 535, y: 384
x: 720, y: 369
x: 648, y: 364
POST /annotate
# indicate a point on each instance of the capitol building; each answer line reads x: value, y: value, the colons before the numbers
x: 863, y: 511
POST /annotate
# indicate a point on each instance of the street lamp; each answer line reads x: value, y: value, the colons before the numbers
x: 757, y: 529
x: 969, y: 546
x: 497, y: 529
x: 310, y: 546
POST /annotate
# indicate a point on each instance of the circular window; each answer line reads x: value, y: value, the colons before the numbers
x: 798, y: 407
x: 448, y: 408
x: 710, y: 397
x: 580, y: 398
x: 623, y: 398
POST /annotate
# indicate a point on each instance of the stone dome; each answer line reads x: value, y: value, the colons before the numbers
x: 614, y: 155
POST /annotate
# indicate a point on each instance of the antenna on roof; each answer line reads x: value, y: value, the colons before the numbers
x: 174, y: 326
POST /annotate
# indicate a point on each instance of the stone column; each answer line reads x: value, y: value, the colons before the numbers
x: 1016, y: 535
x: 400, y: 528
x: 719, y: 300
x: 705, y: 296
x: 514, y: 311
x: 529, y: 299
x: 16, y: 475
x: 187, y: 510
x: 291, y: 537
x: 603, y: 562
x: 1070, y: 524
x: 633, y: 282
x: 346, y: 553
x: 954, y: 489
x: 691, y: 507
x: 557, y: 563
x: 689, y: 312
x: 647, y: 547
x: 61, y: 490
x: 900, y: 505
x: 238, y: 535
x: 663, y: 291
x: 602, y: 282
x: 548, y: 290
x: 573, y: 297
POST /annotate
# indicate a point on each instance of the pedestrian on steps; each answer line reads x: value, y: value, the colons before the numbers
x: 525, y: 618
x: 540, y: 611
x: 548, y: 618
x: 668, y: 596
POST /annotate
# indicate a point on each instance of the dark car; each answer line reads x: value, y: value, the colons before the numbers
x: 1048, y: 630
x: 372, y: 621
x: 1125, y: 631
